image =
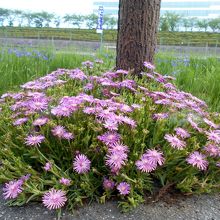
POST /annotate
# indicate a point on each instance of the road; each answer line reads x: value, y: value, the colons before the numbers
x: 70, y: 45
x: 205, y: 207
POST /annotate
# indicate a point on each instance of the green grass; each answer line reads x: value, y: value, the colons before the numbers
x: 201, y: 77
x: 165, y: 38
x: 16, y: 70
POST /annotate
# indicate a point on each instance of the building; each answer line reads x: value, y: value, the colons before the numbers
x: 186, y: 8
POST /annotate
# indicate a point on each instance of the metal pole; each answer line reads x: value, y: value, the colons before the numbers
x: 101, y: 42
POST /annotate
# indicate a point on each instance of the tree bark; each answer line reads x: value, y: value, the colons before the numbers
x: 137, y: 33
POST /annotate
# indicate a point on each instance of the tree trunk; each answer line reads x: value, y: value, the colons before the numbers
x: 137, y: 29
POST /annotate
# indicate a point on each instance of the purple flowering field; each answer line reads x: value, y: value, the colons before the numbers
x: 76, y: 135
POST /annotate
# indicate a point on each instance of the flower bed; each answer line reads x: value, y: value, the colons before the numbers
x: 87, y: 134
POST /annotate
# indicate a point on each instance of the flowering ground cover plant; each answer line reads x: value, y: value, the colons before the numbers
x: 77, y: 135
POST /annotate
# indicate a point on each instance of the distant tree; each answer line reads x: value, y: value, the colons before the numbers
x: 202, y: 24
x: 42, y: 19
x: 11, y: 17
x: 19, y: 17
x: 163, y: 25
x: 57, y: 20
x: 74, y: 19
x: 113, y: 22
x: 47, y: 18
x: 186, y: 23
x: 37, y: 19
x: 192, y: 23
x: 29, y: 17
x: 214, y: 24
x: 67, y: 19
x: 172, y: 20
x: 4, y: 13
x: 109, y: 22
x: 91, y: 21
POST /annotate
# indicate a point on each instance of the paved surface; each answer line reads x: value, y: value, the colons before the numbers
x: 205, y: 207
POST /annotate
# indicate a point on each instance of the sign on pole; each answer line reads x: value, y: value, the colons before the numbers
x: 99, y: 28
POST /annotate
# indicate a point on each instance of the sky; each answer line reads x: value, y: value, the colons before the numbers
x: 59, y: 7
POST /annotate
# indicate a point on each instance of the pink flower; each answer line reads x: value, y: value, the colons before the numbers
x: 182, y: 133
x: 61, y: 132
x: 118, y: 148
x: 111, y: 124
x: 125, y: 108
x: 20, y: 121
x: 108, y: 184
x: 116, y: 160
x: 127, y: 83
x: 38, y: 104
x: 194, y: 124
x: 12, y: 189
x: 81, y: 164
x: 169, y: 86
x: 145, y: 165
x: 68, y: 136
x: 127, y: 120
x: 25, y: 177
x: 210, y: 123
x: 160, y: 116
x: 40, y: 121
x: 77, y: 74
x: 88, y: 87
x: 197, y: 159
x: 175, y: 142
x: 34, y: 140
x: 123, y: 72
x: 58, y: 131
x: 149, y: 75
x: 214, y: 136
x: 163, y: 102
x: 109, y: 138
x: 154, y: 156
x: 149, y: 65
x: 47, y: 166
x: 124, y: 188
x: 88, y: 64
x: 105, y: 114
x: 110, y: 75
x: 89, y: 110
x: 65, y: 181
x: 62, y: 110
x: 54, y: 199
x: 136, y: 106
x: 161, y: 79
x: 212, y: 150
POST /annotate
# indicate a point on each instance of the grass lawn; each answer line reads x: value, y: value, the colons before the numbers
x: 199, y: 76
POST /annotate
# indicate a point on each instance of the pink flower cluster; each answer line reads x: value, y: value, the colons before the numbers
x: 14, y: 188
x: 62, y: 133
x: 81, y: 164
x: 175, y: 142
x: 33, y: 106
x: 149, y: 160
x: 198, y: 160
x: 54, y: 199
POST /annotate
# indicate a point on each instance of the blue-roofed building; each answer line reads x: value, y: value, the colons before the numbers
x: 186, y: 8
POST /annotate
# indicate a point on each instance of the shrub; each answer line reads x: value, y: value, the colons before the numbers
x: 80, y: 134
